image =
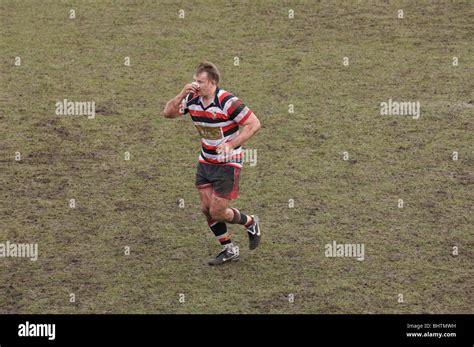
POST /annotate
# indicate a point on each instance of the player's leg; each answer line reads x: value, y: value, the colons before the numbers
x: 205, y: 195
x: 219, y: 228
x: 226, y: 188
x: 204, y: 187
x: 230, y: 251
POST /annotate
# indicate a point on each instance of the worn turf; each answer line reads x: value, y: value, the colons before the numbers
x: 282, y: 61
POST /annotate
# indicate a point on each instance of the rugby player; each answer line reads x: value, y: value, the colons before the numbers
x: 224, y: 124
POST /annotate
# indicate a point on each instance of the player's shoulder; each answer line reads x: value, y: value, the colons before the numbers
x: 225, y: 98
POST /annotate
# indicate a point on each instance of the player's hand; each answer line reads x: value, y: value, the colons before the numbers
x: 190, y: 88
x: 225, y: 149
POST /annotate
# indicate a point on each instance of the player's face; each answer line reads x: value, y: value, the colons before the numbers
x: 206, y: 86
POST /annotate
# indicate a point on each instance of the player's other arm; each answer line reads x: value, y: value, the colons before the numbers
x: 249, y: 127
x: 172, y: 107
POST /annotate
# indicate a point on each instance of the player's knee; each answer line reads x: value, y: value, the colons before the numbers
x: 217, y: 214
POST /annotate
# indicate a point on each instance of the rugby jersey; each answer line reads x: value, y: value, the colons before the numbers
x: 217, y: 123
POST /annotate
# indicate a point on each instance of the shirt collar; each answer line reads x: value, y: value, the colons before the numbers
x: 215, y: 101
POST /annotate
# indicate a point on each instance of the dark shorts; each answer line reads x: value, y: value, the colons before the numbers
x: 224, y: 179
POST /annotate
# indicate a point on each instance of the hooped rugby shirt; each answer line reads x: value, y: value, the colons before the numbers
x: 217, y: 123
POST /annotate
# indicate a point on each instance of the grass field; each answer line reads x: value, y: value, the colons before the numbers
x: 283, y: 61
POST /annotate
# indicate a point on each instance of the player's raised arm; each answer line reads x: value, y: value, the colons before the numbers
x: 172, y: 107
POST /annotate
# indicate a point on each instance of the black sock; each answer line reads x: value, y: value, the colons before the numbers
x: 240, y: 218
x: 220, y: 231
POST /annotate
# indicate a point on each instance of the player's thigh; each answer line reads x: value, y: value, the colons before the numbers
x: 204, y: 185
x: 205, y: 194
